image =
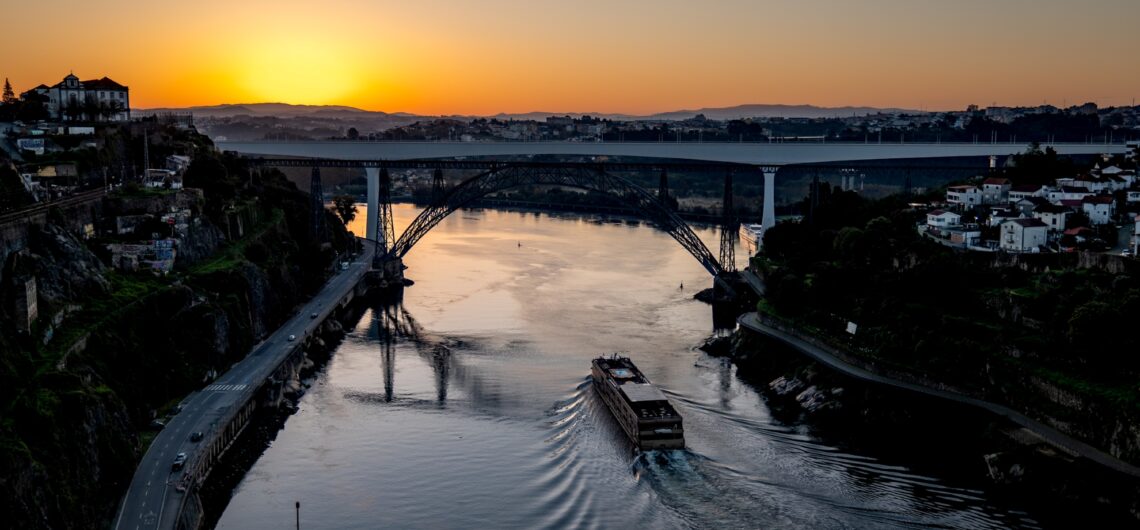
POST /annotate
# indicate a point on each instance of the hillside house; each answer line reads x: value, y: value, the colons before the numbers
x: 965, y: 196
x: 1052, y: 215
x: 995, y: 190
x: 1000, y: 215
x: 1099, y: 208
x: 1068, y: 193
x: 1101, y: 183
x: 1022, y: 191
x: 1023, y: 235
x: 1136, y: 238
x: 1028, y: 204
x: 942, y: 219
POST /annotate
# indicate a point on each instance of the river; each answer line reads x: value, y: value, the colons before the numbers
x: 469, y: 405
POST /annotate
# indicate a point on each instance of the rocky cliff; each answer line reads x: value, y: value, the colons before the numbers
x: 127, y: 346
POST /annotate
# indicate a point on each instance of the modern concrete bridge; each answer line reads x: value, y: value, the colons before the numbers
x: 767, y: 157
x: 502, y: 169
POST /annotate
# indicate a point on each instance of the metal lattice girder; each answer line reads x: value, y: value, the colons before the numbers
x: 729, y: 230
x: 385, y: 229
x: 437, y: 186
x: 593, y: 178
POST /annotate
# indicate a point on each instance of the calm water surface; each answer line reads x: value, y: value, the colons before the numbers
x: 469, y: 405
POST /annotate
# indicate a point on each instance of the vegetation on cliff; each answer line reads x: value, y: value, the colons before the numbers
x: 1048, y: 334
x: 125, y: 346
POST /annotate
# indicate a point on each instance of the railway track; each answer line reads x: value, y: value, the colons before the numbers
x: 78, y: 198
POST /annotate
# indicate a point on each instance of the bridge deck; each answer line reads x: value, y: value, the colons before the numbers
x: 731, y: 153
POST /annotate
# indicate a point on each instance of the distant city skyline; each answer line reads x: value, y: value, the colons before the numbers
x: 637, y: 57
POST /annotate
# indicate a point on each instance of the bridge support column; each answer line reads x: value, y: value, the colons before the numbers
x: 387, y: 273
x: 317, y: 213
x: 768, y: 217
x: 373, y: 174
x: 437, y: 187
x: 729, y: 231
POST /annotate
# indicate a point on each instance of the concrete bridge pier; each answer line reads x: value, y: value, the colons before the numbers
x: 768, y: 216
x: 373, y: 174
x: 387, y: 273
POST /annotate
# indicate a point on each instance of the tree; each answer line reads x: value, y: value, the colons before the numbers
x: 345, y: 208
x: 32, y: 108
x: 353, y: 134
x: 9, y: 96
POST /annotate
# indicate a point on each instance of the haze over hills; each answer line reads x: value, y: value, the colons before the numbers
x: 257, y: 121
x: 285, y: 110
x: 280, y: 110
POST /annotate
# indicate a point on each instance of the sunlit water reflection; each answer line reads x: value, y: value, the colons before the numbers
x: 470, y: 405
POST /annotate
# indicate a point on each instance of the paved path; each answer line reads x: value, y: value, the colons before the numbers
x: 754, y: 281
x: 1050, y: 435
x: 156, y: 493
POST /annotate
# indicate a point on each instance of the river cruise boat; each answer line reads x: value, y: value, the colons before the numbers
x: 751, y: 233
x: 642, y: 410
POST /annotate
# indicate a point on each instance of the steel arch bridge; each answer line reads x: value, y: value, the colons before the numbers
x: 587, y: 177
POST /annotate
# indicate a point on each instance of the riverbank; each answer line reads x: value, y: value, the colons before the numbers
x: 868, y: 371
x: 215, y: 492
x: 1017, y: 454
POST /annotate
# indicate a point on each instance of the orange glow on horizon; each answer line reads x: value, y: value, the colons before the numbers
x: 637, y: 57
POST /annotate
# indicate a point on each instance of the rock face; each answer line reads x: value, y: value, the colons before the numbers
x: 64, y: 268
x: 69, y: 439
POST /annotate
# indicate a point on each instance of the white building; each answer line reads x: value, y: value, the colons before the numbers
x: 1017, y: 193
x: 92, y: 100
x: 964, y: 196
x: 1000, y: 215
x: 1052, y: 215
x: 1099, y: 208
x: 995, y: 190
x: 1100, y: 183
x: 1068, y: 193
x: 942, y: 219
x: 1023, y: 235
x: 177, y: 163
x: 1128, y: 176
x: 1136, y: 238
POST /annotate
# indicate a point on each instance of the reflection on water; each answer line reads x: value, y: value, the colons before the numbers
x: 469, y: 404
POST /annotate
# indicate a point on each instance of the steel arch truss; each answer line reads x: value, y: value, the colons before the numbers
x: 582, y: 177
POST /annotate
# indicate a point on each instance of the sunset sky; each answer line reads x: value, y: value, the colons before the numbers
x: 631, y: 56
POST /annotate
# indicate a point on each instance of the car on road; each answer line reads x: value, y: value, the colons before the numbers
x: 157, y: 424
x: 312, y: 315
x: 196, y: 436
x: 1126, y: 252
x: 292, y: 338
x: 179, y: 461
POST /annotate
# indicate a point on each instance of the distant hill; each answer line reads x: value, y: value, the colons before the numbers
x: 280, y: 110
x: 775, y: 111
x: 720, y: 113
x: 285, y: 110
